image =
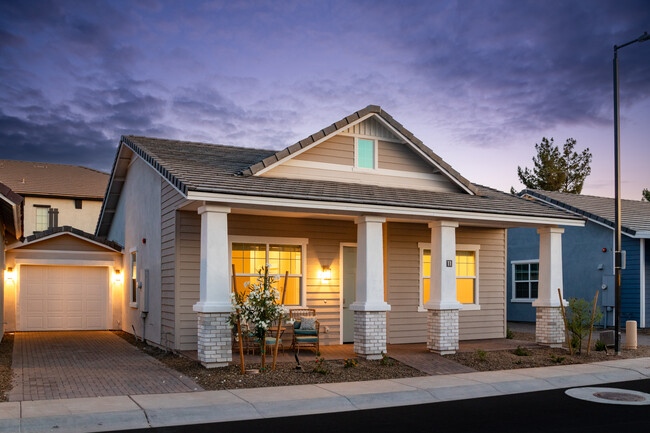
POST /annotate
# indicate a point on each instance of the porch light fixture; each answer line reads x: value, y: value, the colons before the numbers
x: 618, y: 260
x: 117, y: 277
x: 325, y: 275
x: 10, y: 274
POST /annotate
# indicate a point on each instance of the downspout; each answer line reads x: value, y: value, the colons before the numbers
x: 145, y: 303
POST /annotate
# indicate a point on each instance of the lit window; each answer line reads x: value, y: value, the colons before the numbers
x: 134, y: 282
x: 525, y: 278
x: 42, y: 218
x: 466, y: 284
x: 249, y: 258
x: 365, y: 153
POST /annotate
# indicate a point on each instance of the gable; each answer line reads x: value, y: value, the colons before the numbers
x: 63, y: 242
x: 398, y: 163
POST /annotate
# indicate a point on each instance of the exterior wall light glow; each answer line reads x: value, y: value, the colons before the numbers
x: 10, y: 274
x: 117, y: 276
x: 325, y: 275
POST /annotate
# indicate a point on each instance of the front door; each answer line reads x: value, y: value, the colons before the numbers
x: 349, y: 291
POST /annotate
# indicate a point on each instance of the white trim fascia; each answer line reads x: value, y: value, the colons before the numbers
x: 63, y: 262
x: 65, y: 252
x: 519, y: 262
x: 341, y: 246
x: 14, y: 208
x: 315, y: 143
x: 642, y: 235
x: 425, y: 156
x: 642, y: 278
x: 383, y: 209
x: 351, y: 169
x: 54, y: 235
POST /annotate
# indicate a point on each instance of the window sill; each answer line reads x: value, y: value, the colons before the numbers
x: 522, y: 301
x: 133, y: 304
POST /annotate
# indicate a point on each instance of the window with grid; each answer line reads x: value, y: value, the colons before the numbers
x: 525, y: 278
x: 466, y: 265
x: 249, y: 258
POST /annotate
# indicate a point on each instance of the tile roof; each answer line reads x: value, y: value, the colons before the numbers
x: 213, y: 168
x: 41, y: 178
x: 635, y: 215
x: 68, y: 229
x: 343, y: 124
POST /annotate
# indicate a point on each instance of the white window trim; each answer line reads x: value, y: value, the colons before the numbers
x: 375, y: 154
x: 131, y: 276
x: 277, y: 241
x: 476, y: 306
x: 512, y: 294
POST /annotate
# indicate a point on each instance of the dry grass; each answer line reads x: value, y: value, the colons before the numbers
x: 6, y: 374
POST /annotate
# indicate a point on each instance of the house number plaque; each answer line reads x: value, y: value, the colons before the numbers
x: 449, y: 263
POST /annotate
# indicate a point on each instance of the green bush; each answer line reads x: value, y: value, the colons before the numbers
x: 521, y: 351
x: 481, y: 355
x: 385, y: 360
x: 579, y: 320
x: 600, y: 346
x: 557, y: 359
x: 509, y: 334
x: 319, y: 366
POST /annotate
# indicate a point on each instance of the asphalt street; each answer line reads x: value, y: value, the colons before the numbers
x: 546, y: 411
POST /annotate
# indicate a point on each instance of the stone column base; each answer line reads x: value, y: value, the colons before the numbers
x: 370, y: 334
x: 549, y: 326
x: 442, y: 326
x: 214, y: 339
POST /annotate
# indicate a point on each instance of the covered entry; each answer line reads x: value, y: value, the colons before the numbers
x: 63, y: 298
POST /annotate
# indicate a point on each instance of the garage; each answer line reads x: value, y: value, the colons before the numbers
x: 63, y: 298
x: 63, y: 279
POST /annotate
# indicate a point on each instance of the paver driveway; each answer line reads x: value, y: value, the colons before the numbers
x: 52, y: 365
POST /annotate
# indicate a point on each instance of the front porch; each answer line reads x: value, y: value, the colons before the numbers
x: 435, y: 282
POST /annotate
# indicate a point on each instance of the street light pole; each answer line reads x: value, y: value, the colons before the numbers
x: 617, y: 193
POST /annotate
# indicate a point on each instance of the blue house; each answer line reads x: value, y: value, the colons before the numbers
x: 587, y: 257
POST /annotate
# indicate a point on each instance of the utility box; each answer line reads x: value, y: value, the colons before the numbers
x: 607, y: 337
x: 608, y: 295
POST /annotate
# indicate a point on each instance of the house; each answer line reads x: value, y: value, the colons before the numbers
x: 11, y: 229
x: 382, y: 237
x: 587, y: 257
x: 55, y: 194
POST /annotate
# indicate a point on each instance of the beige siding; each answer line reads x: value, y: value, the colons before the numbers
x: 169, y: 202
x: 398, y: 156
x: 324, y: 237
x: 405, y: 323
x: 371, y: 127
x: 337, y: 150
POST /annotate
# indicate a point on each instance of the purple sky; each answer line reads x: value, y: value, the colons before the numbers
x: 479, y: 82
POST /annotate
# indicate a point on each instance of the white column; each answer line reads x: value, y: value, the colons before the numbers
x: 214, y: 272
x: 549, y: 324
x: 443, y: 306
x: 214, y: 345
x: 369, y: 306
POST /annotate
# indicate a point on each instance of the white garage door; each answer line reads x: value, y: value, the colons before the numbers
x: 59, y: 298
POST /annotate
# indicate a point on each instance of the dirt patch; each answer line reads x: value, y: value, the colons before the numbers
x: 537, y: 357
x: 285, y: 373
x: 6, y: 374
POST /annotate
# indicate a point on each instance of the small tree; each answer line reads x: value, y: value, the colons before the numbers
x: 556, y: 170
x: 579, y: 320
x: 645, y: 195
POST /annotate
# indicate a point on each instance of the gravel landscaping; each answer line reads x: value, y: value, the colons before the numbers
x: 6, y: 374
x: 285, y: 373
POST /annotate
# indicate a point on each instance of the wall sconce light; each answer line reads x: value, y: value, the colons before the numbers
x: 325, y: 275
x: 10, y: 274
x: 117, y: 276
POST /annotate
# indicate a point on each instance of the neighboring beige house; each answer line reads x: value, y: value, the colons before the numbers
x: 56, y: 195
x: 415, y: 252
x: 11, y: 229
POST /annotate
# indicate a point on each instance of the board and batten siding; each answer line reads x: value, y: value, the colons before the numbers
x: 170, y: 200
x: 405, y: 323
x: 630, y: 280
x: 325, y: 237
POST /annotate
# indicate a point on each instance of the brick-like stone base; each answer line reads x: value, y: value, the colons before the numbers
x: 549, y: 326
x: 370, y: 334
x: 442, y: 326
x: 214, y: 339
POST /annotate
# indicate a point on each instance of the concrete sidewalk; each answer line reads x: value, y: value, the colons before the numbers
x: 156, y: 410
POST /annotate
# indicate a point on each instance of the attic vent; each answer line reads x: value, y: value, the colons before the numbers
x: 40, y: 166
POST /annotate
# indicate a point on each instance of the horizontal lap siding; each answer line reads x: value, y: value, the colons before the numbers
x: 398, y: 156
x: 188, y: 262
x: 405, y: 323
x: 170, y: 200
x: 336, y: 150
x: 630, y: 280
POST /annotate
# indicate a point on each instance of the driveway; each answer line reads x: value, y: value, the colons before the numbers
x: 53, y: 365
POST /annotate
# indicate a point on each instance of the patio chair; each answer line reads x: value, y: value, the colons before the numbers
x: 304, y: 337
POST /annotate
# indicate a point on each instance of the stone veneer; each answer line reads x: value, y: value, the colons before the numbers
x: 549, y: 326
x: 214, y: 339
x: 442, y: 326
x: 370, y: 334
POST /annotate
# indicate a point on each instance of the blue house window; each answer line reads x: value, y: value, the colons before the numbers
x: 525, y: 278
x: 365, y: 153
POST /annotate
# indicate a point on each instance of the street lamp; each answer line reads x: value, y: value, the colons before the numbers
x: 617, y: 191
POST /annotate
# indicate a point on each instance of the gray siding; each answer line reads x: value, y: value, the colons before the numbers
x: 398, y: 156
x: 188, y: 262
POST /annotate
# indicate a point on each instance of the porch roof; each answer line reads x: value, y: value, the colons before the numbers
x: 211, y: 168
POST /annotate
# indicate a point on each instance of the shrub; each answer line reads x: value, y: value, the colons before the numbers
x: 600, y: 346
x: 509, y: 334
x: 557, y: 359
x: 385, y: 360
x: 349, y: 363
x: 481, y: 355
x: 521, y: 351
x: 319, y: 366
x: 579, y: 320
